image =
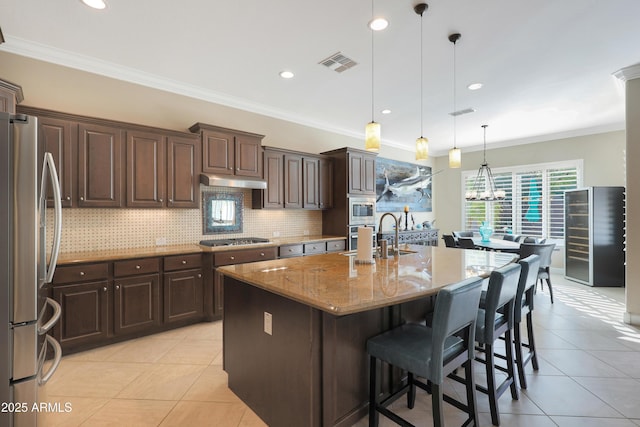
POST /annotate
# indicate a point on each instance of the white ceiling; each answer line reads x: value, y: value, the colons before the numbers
x: 546, y: 66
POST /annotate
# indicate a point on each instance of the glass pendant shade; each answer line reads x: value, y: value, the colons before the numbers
x: 422, y: 148
x: 372, y: 136
x: 455, y: 158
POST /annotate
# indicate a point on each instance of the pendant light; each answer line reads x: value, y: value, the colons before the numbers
x: 484, y: 187
x: 422, y: 143
x: 455, y: 155
x: 372, y: 130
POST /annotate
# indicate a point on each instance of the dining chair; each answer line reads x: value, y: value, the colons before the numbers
x: 524, y: 306
x: 544, y: 251
x: 431, y: 353
x: 466, y: 243
x: 511, y: 237
x: 449, y: 241
x: 495, y: 319
x: 458, y: 234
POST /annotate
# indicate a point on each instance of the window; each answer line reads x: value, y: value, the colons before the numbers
x: 534, y: 202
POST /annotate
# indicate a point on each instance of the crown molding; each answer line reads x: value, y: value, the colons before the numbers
x: 628, y: 73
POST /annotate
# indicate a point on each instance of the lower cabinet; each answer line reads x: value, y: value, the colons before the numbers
x: 85, y: 313
x: 108, y: 302
x: 183, y: 295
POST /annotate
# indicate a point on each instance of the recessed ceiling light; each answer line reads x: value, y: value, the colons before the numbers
x: 474, y: 86
x: 378, y: 24
x: 386, y: 111
x: 96, y: 4
x: 286, y: 74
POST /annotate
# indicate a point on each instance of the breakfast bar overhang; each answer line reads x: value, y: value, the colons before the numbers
x: 295, y: 329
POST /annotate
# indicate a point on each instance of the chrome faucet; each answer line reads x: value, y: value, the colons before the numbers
x: 396, y: 243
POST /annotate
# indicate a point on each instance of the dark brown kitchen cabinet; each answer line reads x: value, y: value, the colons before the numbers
x: 145, y: 170
x: 136, y: 295
x: 10, y: 96
x: 293, y: 188
x: 100, y: 157
x: 362, y: 173
x: 325, y: 184
x: 83, y: 292
x: 183, y: 286
x: 183, y: 168
x: 273, y: 196
x: 310, y: 182
x: 230, y: 152
x: 60, y: 139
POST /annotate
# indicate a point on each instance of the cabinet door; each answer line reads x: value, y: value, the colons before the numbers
x: 183, y: 295
x: 292, y: 181
x: 310, y: 169
x: 274, y: 174
x: 218, y: 152
x: 183, y: 162
x: 136, y: 303
x: 7, y: 101
x: 325, y: 184
x: 58, y: 138
x: 84, y: 313
x: 99, y: 166
x: 248, y: 158
x: 355, y: 173
x: 218, y: 295
x: 146, y: 170
x: 369, y: 175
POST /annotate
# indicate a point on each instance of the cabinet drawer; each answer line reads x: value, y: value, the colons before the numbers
x: 81, y: 273
x: 244, y: 255
x: 291, y: 251
x: 136, y: 266
x: 315, y: 248
x: 182, y: 262
x: 336, y: 245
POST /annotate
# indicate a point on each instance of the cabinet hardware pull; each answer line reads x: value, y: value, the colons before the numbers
x: 82, y: 273
x: 138, y: 267
x: 170, y: 200
x: 68, y: 197
x: 117, y: 287
x: 104, y: 289
x: 184, y: 262
x: 261, y: 253
x: 232, y: 258
x: 160, y: 200
x: 81, y: 198
x: 199, y: 276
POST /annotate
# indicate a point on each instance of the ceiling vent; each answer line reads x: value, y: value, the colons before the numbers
x: 338, y: 62
x: 461, y: 112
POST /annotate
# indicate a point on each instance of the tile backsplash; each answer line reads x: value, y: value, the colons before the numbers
x: 101, y: 229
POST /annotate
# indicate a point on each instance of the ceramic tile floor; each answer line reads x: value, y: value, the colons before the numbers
x: 589, y: 375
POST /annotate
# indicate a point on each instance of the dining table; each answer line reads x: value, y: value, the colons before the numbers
x: 499, y: 245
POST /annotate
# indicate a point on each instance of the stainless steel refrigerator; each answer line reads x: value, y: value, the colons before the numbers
x: 27, y: 264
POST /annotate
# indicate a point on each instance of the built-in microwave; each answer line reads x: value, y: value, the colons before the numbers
x: 362, y: 210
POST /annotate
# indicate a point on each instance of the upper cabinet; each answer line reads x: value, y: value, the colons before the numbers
x: 10, y: 96
x: 111, y: 164
x: 230, y: 152
x: 355, y: 172
x: 295, y: 180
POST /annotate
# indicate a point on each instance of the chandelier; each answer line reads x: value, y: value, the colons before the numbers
x: 484, y: 186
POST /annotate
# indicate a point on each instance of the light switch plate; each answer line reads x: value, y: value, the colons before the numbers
x: 268, y: 323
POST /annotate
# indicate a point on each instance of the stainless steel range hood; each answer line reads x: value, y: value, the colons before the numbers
x: 232, y: 181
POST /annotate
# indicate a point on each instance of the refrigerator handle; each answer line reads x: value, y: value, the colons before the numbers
x: 57, y: 312
x: 49, y: 165
x: 56, y: 361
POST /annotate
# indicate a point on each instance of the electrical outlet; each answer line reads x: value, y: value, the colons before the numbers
x: 268, y: 323
x: 161, y: 241
x: 276, y: 234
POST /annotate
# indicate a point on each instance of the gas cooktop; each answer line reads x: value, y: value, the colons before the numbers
x: 234, y: 242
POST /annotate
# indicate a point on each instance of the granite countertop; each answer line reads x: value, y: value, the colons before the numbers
x: 336, y: 284
x: 126, y: 253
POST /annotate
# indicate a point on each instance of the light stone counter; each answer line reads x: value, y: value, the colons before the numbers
x: 335, y: 284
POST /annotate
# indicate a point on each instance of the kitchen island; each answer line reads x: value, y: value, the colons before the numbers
x: 295, y: 329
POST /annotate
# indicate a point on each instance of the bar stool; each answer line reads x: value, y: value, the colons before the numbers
x: 524, y: 305
x: 495, y: 318
x: 432, y: 353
